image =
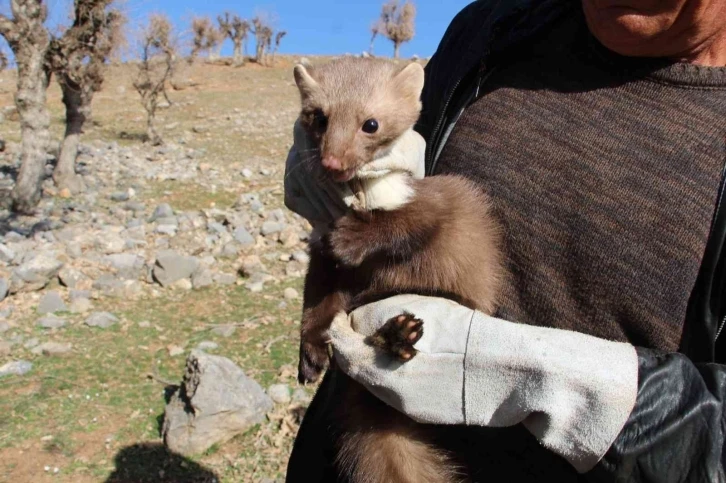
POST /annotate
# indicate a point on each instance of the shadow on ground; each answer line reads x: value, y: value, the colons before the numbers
x: 152, y: 463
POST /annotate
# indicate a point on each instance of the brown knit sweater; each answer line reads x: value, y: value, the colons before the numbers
x: 604, y: 172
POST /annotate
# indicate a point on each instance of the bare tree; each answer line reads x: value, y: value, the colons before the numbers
x: 78, y: 58
x: 263, y: 36
x: 206, y: 38
x: 236, y: 29
x: 376, y: 29
x: 155, y: 70
x: 397, y: 23
x: 3, y: 60
x: 278, y: 38
x: 29, y: 40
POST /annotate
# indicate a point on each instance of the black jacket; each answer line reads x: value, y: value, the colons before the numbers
x: 677, y: 430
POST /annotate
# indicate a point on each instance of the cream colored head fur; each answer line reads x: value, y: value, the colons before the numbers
x: 339, y: 97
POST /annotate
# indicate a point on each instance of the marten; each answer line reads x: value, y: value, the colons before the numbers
x: 434, y: 236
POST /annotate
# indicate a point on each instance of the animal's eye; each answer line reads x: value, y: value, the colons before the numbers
x: 370, y: 126
x: 320, y: 120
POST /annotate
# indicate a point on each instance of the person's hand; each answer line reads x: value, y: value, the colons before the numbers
x: 310, y: 193
x: 572, y: 391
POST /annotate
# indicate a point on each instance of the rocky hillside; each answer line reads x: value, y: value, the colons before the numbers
x: 168, y: 249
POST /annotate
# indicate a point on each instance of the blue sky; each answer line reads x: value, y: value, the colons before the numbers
x: 314, y: 26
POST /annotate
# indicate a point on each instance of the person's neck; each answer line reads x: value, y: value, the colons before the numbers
x: 711, y: 53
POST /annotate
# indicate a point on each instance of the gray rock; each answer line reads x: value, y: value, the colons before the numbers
x: 127, y: 265
x: 247, y: 173
x: 51, y: 322
x: 291, y: 294
x: 36, y: 273
x: 70, y: 277
x: 120, y: 196
x: 170, y: 267
x: 224, y: 330
x: 79, y: 294
x: 102, y: 320
x: 301, y: 256
x: 6, y: 312
x: 51, y: 303
x: 6, y: 254
x: 16, y: 368
x: 109, y: 243
x: 135, y: 206
x: 207, y: 345
x: 167, y: 220
x: 279, y: 393
x: 30, y: 343
x: 216, y: 227
x: 225, y: 279
x: 256, y: 206
x: 4, y: 326
x: 162, y: 211
x: 271, y: 228
x: 217, y: 402
x: 52, y: 349
x: 243, y: 237
x: 81, y: 306
x: 169, y: 230
x: 202, y: 279
x: 230, y: 251
x: 301, y: 396
x: 4, y: 287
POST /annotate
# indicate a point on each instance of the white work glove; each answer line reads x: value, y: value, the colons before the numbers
x: 572, y: 391
x: 312, y: 195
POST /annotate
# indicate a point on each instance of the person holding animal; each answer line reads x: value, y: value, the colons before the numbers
x: 595, y: 133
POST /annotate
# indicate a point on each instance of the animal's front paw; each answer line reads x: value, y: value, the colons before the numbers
x: 313, y: 361
x: 398, y: 336
x: 347, y: 242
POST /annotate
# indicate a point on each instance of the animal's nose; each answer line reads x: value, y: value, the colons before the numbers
x: 332, y: 163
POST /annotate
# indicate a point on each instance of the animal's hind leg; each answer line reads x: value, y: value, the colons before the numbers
x: 377, y: 444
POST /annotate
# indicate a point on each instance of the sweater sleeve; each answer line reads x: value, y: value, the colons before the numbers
x: 677, y: 428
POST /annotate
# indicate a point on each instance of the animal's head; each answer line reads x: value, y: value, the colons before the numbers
x: 354, y: 109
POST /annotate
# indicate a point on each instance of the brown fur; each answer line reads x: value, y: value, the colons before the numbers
x: 443, y: 242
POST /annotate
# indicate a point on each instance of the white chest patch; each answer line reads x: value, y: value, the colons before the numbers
x: 388, y: 192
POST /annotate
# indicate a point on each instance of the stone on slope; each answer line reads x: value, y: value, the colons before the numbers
x: 6, y: 254
x: 70, y: 277
x: 4, y: 287
x: 170, y: 267
x: 16, y: 368
x: 102, y: 320
x: 217, y: 402
x: 50, y: 303
x: 279, y: 393
x: 52, y: 349
x: 51, y: 322
x: 36, y: 273
x: 243, y: 237
x: 162, y: 211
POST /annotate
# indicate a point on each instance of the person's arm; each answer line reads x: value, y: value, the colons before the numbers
x: 677, y: 429
x: 616, y: 413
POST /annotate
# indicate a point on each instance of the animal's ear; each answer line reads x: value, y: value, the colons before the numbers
x: 409, y: 81
x: 305, y: 81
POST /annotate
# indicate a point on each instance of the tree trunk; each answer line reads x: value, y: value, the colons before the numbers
x: 396, y: 47
x: 78, y: 108
x: 30, y: 101
x: 260, y: 53
x: 152, y: 136
x: 237, y: 57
